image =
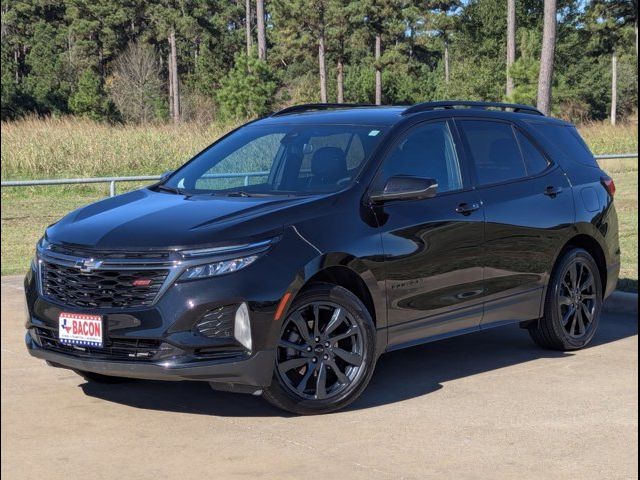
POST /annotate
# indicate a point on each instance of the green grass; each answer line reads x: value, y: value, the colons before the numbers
x: 61, y: 148
x: 627, y: 208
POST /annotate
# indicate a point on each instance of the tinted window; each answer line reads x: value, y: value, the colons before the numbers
x: 427, y: 151
x: 533, y: 159
x: 567, y: 139
x: 495, y: 151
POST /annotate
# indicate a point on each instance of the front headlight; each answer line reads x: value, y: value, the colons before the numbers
x: 217, y: 268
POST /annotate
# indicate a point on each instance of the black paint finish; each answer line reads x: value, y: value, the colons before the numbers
x: 427, y: 268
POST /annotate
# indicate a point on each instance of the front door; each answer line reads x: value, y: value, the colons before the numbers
x: 432, y: 247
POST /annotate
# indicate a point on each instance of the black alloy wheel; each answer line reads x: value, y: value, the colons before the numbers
x: 320, y: 352
x: 577, y: 299
x: 325, y: 353
x: 572, y: 305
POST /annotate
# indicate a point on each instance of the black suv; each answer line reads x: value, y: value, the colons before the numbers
x: 285, y: 258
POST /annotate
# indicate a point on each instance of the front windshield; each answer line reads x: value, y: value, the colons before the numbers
x: 278, y: 159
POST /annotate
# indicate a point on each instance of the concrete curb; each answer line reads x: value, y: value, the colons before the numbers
x: 622, y: 302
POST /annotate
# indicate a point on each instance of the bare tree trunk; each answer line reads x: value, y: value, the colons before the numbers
x: 378, y: 54
x: 173, y: 72
x: 262, y: 34
x: 16, y: 59
x: 614, y: 87
x: 322, y: 67
x: 545, y: 80
x: 247, y: 25
x: 635, y: 25
x: 170, y: 69
x: 447, y: 74
x: 340, y: 80
x: 511, y: 43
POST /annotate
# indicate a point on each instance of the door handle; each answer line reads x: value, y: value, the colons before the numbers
x: 552, y: 191
x: 467, y: 208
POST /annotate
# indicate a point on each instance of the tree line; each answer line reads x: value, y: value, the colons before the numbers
x: 204, y: 60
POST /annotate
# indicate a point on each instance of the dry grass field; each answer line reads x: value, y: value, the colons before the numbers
x: 67, y: 148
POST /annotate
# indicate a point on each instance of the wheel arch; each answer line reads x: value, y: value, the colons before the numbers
x: 350, y: 273
x: 591, y: 245
x: 347, y: 278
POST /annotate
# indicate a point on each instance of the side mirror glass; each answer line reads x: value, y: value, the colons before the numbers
x: 406, y: 188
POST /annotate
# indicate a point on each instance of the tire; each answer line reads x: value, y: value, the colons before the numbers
x: 328, y: 340
x: 572, y: 305
x: 98, y: 378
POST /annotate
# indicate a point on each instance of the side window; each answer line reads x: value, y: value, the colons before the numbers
x: 568, y: 140
x: 533, y: 159
x: 426, y: 151
x: 494, y: 150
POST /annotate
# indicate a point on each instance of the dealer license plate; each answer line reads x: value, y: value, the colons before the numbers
x: 80, y: 329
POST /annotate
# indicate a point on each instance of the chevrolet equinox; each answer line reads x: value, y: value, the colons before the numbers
x: 285, y: 258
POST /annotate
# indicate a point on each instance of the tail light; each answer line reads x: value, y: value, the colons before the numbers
x: 610, y: 185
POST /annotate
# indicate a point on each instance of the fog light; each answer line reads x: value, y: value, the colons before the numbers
x: 242, y: 327
x: 217, y: 323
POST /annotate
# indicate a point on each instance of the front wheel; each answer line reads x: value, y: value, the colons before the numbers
x: 573, y: 303
x: 325, y: 354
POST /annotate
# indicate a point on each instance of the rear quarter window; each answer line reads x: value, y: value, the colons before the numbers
x: 567, y: 139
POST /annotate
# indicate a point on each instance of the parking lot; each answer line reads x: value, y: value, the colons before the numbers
x: 486, y: 405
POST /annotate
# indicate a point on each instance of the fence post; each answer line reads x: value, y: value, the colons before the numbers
x: 112, y: 188
x: 246, y: 180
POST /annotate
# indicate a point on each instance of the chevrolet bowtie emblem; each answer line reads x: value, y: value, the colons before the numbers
x: 88, y: 264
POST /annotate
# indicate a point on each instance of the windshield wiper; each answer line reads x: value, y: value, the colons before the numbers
x: 175, y: 190
x: 241, y: 193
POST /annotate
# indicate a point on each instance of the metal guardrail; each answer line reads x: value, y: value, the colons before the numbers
x: 113, y: 180
x: 616, y: 155
x: 142, y: 178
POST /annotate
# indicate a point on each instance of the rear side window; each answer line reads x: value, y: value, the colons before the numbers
x: 495, y: 151
x: 568, y: 140
x: 534, y: 160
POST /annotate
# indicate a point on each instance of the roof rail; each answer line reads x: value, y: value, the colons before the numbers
x: 307, y: 107
x: 449, y: 105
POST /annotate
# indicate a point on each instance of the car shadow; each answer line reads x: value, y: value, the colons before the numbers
x: 399, y: 375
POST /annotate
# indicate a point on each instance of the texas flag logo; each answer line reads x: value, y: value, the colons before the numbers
x: 65, y: 326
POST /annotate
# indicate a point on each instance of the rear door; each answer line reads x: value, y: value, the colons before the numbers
x: 432, y: 246
x: 528, y: 210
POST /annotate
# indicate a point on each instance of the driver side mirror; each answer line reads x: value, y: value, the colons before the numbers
x: 406, y: 188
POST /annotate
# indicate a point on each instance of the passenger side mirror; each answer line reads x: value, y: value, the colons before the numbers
x: 406, y: 188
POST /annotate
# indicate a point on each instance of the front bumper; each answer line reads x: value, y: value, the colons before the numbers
x: 178, y: 349
x: 251, y: 371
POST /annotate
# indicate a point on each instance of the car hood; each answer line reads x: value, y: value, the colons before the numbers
x: 146, y: 219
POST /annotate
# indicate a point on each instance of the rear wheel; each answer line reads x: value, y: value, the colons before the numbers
x: 326, y: 352
x: 573, y: 303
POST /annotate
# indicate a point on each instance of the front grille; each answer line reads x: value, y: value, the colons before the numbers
x: 114, y: 349
x: 101, y: 288
x: 107, y: 254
